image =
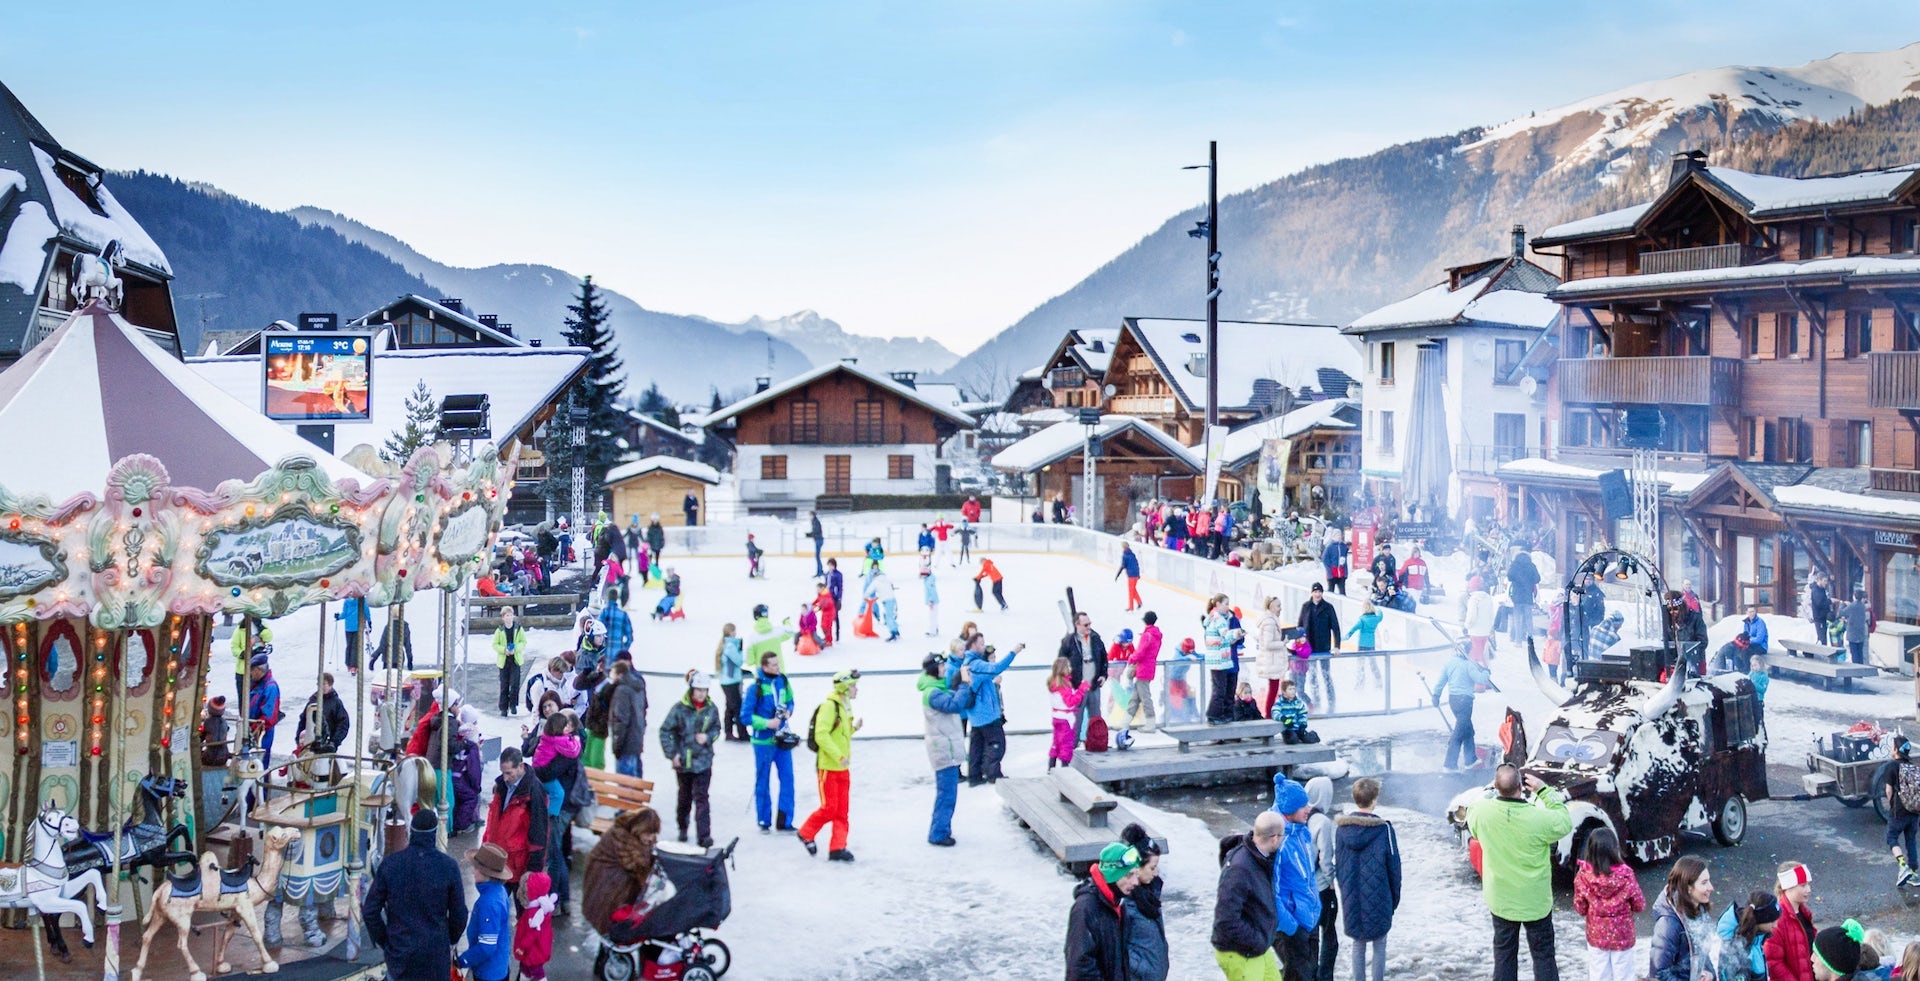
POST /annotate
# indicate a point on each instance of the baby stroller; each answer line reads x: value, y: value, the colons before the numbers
x: 671, y: 943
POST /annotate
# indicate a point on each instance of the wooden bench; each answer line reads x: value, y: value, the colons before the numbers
x: 618, y: 792
x: 1261, y: 729
x: 1068, y: 812
x: 483, y: 612
x: 1810, y: 665
x: 1806, y: 648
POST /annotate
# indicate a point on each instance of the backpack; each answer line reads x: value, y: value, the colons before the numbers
x: 1096, y: 734
x: 813, y: 725
x: 1907, y: 785
x: 599, y: 711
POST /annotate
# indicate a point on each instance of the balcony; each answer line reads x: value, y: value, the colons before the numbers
x: 1893, y: 380
x: 1696, y: 380
x: 840, y: 434
x: 1486, y: 459
x: 1704, y: 257
x: 1141, y: 405
x: 1895, y: 481
x: 1060, y: 378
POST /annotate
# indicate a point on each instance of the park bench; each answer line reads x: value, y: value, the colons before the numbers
x: 1068, y: 812
x: 617, y: 793
x: 1812, y: 659
x: 1261, y: 729
x: 544, y: 610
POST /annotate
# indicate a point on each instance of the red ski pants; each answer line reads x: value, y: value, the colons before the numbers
x: 834, y: 789
x: 1133, y: 593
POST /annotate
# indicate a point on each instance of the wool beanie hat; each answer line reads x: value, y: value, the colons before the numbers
x: 1288, y: 796
x: 1838, y: 947
x: 1118, y: 859
x: 425, y: 819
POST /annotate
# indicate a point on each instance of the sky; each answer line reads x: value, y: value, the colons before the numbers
x: 937, y: 167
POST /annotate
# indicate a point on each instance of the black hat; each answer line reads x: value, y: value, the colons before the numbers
x: 1838, y: 947
x: 426, y: 819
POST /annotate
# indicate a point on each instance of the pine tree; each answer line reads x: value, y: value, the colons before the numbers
x: 598, y: 391
x: 655, y: 403
x: 422, y: 428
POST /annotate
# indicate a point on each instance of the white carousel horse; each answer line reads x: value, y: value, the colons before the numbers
x: 42, y: 883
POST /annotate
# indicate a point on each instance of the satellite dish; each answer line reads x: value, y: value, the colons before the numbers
x: 1110, y: 390
x: 1529, y: 385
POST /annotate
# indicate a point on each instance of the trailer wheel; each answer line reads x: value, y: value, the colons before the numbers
x: 1880, y: 777
x: 1730, y: 825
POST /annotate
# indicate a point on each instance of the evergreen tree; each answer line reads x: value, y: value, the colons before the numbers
x: 598, y: 391
x: 422, y: 427
x: 655, y: 403
x: 717, y: 404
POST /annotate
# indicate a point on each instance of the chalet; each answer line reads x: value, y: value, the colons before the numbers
x: 56, y: 212
x: 1135, y: 461
x: 411, y: 322
x: 1320, y: 449
x: 645, y: 436
x: 659, y: 485
x: 834, y: 432
x: 1774, y: 324
x: 1447, y: 392
x: 1158, y: 371
x: 1075, y: 375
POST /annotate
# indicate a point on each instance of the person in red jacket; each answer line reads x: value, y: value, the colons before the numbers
x: 517, y: 816
x: 971, y: 509
x: 829, y: 614
x: 1789, y: 947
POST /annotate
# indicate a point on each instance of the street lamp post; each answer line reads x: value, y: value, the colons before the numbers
x: 577, y: 415
x: 1210, y: 230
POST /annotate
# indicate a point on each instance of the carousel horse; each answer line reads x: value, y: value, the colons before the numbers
x: 238, y: 894
x: 44, y: 884
x: 145, y: 842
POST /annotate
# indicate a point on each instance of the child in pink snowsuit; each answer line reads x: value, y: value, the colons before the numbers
x: 1066, y: 699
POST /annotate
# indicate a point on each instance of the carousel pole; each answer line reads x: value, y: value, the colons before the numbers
x: 443, y: 789
x: 245, y: 678
x: 356, y: 858
x: 116, y: 768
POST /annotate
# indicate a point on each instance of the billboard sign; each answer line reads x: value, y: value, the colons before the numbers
x: 316, y: 376
x: 1271, y: 478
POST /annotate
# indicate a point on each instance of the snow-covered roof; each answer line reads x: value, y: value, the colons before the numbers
x: 95, y: 229
x: 1291, y: 354
x: 1827, y: 499
x: 441, y: 310
x: 821, y: 371
x: 1047, y: 416
x: 670, y: 464
x: 1094, y: 347
x: 1062, y: 440
x: 1245, y: 441
x: 1676, y: 482
x: 944, y: 393
x: 518, y: 382
x: 1866, y: 269
x: 1511, y: 293
x: 1758, y: 196
x: 1034, y: 373
x: 1618, y: 222
x: 650, y: 422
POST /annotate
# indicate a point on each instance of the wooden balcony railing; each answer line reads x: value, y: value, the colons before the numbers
x: 1141, y: 405
x: 1893, y: 380
x: 840, y: 434
x: 1704, y: 257
x: 1696, y: 380
x: 1896, y: 481
x: 1066, y: 378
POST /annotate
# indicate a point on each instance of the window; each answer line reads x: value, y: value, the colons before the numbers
x: 1907, y: 235
x: 1510, y: 435
x: 899, y: 466
x: 773, y: 468
x: 59, y: 294
x: 1788, y: 325
x: 1859, y: 332
x: 1819, y: 240
x: 1506, y: 359
x: 1386, y: 430
x: 1860, y: 440
x: 1795, y: 439
x: 1757, y: 440
x: 1751, y: 345
x: 1386, y: 366
x: 803, y: 418
x: 869, y: 421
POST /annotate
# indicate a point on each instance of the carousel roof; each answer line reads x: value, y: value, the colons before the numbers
x: 97, y: 391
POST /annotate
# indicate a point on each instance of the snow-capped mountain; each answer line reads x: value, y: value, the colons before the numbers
x: 1336, y: 240
x: 823, y: 340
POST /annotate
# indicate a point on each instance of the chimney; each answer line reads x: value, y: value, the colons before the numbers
x: 849, y: 360
x: 762, y: 383
x: 534, y: 343
x: 1519, y: 241
x: 1685, y: 162
x: 904, y: 377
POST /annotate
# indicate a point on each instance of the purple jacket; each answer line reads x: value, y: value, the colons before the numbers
x: 467, y: 781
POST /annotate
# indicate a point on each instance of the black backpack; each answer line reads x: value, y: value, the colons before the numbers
x: 599, y: 709
x: 813, y: 725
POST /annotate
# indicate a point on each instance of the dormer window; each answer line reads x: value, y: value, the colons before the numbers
x: 82, y: 185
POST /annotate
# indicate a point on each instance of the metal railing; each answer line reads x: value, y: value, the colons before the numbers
x: 1483, y: 458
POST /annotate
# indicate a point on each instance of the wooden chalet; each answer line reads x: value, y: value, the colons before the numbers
x: 834, y: 432
x: 1135, y: 461
x: 1775, y: 324
x: 56, y: 211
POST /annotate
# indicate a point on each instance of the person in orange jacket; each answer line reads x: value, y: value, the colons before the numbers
x: 991, y: 573
x: 828, y: 612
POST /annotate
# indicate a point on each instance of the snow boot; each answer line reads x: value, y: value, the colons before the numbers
x: 812, y: 849
x: 839, y: 855
x: 946, y: 842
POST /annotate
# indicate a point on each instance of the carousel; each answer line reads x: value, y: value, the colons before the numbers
x: 140, y: 507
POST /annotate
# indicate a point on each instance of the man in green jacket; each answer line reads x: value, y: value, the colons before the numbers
x: 833, y: 729
x: 1516, y: 838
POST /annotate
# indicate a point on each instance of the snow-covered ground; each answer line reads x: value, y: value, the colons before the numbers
x: 996, y: 905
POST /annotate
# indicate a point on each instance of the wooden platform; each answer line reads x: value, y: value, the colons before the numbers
x: 1260, y: 730
x: 1073, y: 816
x: 1213, y: 763
x: 1813, y: 666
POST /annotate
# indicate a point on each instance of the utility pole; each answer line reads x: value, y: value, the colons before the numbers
x: 1212, y: 228
x: 577, y: 414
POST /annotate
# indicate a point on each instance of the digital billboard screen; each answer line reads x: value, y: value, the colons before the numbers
x: 309, y: 376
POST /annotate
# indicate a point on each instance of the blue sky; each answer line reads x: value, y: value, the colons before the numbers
x: 925, y: 167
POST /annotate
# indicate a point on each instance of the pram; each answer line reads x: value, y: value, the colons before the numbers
x: 671, y: 943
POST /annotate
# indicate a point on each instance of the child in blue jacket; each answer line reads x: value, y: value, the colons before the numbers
x: 489, y: 950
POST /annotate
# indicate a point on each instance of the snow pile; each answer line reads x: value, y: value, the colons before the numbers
x: 94, y: 228
x: 23, y: 257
